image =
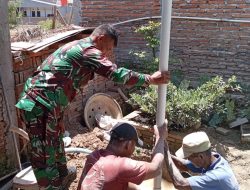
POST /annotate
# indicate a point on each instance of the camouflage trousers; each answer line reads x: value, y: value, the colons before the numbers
x: 47, y: 157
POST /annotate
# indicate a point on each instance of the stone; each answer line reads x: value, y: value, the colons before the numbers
x: 222, y: 131
x: 238, y: 122
x: 245, y: 133
x: 100, y: 135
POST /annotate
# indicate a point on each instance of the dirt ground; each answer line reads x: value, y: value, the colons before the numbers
x: 229, y: 147
x: 235, y: 152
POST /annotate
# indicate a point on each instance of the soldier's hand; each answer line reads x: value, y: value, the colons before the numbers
x: 159, y: 77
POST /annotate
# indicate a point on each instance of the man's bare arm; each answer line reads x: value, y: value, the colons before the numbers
x: 155, y: 166
x: 178, y: 180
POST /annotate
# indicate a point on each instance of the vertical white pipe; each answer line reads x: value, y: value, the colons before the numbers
x: 163, y: 66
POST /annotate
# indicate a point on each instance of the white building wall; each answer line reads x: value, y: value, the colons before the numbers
x: 44, y: 12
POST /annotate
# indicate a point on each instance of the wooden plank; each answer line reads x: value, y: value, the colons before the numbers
x: 238, y: 122
x: 132, y: 115
x: 7, y: 77
x: 51, y: 40
x: 18, y: 46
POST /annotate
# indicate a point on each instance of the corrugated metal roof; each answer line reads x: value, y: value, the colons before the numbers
x: 36, y: 47
x: 29, y: 3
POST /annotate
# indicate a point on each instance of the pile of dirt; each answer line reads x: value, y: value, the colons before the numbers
x: 82, y: 138
x: 235, y: 152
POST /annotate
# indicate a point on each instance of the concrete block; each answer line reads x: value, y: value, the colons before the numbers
x: 222, y: 131
x: 245, y: 133
x: 237, y: 122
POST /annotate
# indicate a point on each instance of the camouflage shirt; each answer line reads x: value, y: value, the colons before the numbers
x: 56, y: 82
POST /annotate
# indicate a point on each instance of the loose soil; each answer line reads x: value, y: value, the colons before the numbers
x: 230, y: 147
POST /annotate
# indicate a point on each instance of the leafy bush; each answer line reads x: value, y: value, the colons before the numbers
x: 188, y: 107
x: 14, y: 14
x: 150, y: 33
x: 47, y: 24
x: 150, y: 60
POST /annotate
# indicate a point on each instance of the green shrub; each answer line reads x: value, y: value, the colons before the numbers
x: 150, y: 33
x: 46, y: 24
x: 14, y: 15
x: 189, y: 107
x: 150, y: 60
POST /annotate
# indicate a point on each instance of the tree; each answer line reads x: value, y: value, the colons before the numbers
x: 14, y: 13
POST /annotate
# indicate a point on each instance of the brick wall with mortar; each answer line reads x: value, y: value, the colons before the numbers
x: 174, y: 139
x: 205, y: 47
x: 98, y: 12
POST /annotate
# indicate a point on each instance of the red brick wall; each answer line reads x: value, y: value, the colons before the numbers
x: 205, y: 47
x: 212, y: 48
x: 95, y: 12
x: 98, y: 12
x: 212, y: 8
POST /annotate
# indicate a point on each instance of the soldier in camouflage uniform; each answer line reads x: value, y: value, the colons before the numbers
x: 54, y: 85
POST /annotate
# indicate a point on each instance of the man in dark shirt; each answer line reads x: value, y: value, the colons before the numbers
x: 113, y: 169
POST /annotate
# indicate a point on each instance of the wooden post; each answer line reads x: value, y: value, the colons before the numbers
x: 61, y: 17
x: 7, y: 77
x: 71, y: 13
x: 54, y: 17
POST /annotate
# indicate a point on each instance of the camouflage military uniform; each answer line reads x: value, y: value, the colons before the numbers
x: 47, y: 93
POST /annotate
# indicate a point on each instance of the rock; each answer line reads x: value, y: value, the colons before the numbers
x: 245, y: 133
x: 100, y: 135
x: 66, y: 141
x: 222, y: 131
x: 95, y: 146
x: 66, y: 134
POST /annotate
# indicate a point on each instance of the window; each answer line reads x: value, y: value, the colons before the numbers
x: 24, y: 13
x: 33, y: 13
x: 38, y: 13
x: 50, y: 15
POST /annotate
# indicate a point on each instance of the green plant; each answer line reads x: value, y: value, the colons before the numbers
x: 177, y: 77
x: 150, y: 33
x: 230, y: 110
x: 246, y: 112
x: 13, y: 13
x: 48, y: 24
x: 5, y: 167
x: 189, y: 107
x: 150, y: 60
x: 203, y: 79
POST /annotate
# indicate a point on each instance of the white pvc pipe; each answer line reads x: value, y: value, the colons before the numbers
x: 77, y: 150
x: 163, y: 66
x: 185, y: 18
x: 47, y: 3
